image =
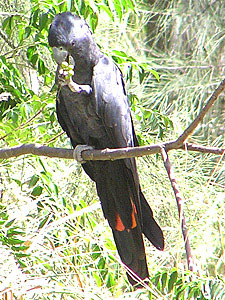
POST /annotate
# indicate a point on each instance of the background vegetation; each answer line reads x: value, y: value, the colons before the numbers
x: 54, y: 242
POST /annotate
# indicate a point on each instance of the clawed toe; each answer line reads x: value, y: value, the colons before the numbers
x: 77, y: 153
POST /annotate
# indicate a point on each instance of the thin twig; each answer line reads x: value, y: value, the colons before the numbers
x: 54, y: 138
x: 6, y: 39
x: 24, y: 124
x: 183, y: 68
x: 18, y: 48
x: 216, y: 167
x: 180, y: 204
x: 202, y: 113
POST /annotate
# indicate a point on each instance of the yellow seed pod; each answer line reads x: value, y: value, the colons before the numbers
x: 70, y: 73
x: 67, y: 77
x: 70, y: 67
x: 65, y: 65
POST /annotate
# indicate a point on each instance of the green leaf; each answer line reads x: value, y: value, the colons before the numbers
x: 48, y: 266
x: 37, y: 191
x: 34, y: 179
x: 41, y: 66
x: 22, y: 248
x: 120, y: 53
x: 13, y: 241
x: 27, y: 32
x: 124, y: 4
x: 30, y: 52
x: 97, y: 278
x: 22, y: 264
x: 17, y: 181
x: 8, y: 25
x: 64, y: 202
x: 93, y: 22
x: 107, y: 10
x: 9, y: 223
x: 156, y: 74
x: 131, y: 4
x: 55, y: 189
x: 118, y: 8
x: 46, y: 176
x: 21, y: 34
x: 96, y: 252
x: 43, y: 21
x: 13, y: 231
x: 172, y: 280
x: 163, y: 280
x: 141, y: 75
x: 101, y: 263
x: 42, y: 164
x: 156, y: 279
x: 110, y: 280
x: 34, y: 18
x: 181, y: 290
x: 191, y: 293
x: 43, y: 222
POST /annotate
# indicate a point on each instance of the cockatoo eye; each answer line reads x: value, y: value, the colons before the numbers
x: 60, y: 54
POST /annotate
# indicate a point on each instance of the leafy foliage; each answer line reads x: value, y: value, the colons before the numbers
x: 186, y: 287
x: 26, y: 99
x: 12, y: 235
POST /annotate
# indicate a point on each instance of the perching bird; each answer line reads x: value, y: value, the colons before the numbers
x: 97, y: 114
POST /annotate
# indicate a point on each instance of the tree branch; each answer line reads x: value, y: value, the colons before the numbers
x: 36, y: 150
x: 111, y: 154
x: 180, y: 206
x: 105, y: 154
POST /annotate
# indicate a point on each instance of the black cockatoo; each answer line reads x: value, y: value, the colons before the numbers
x: 97, y: 114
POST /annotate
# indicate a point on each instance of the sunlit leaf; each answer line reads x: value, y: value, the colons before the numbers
x: 37, y: 191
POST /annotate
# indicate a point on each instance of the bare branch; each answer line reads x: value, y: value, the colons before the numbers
x: 180, y: 204
x: 36, y: 150
x: 105, y: 154
x: 203, y: 149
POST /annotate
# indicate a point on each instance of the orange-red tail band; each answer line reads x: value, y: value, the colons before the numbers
x: 119, y: 224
